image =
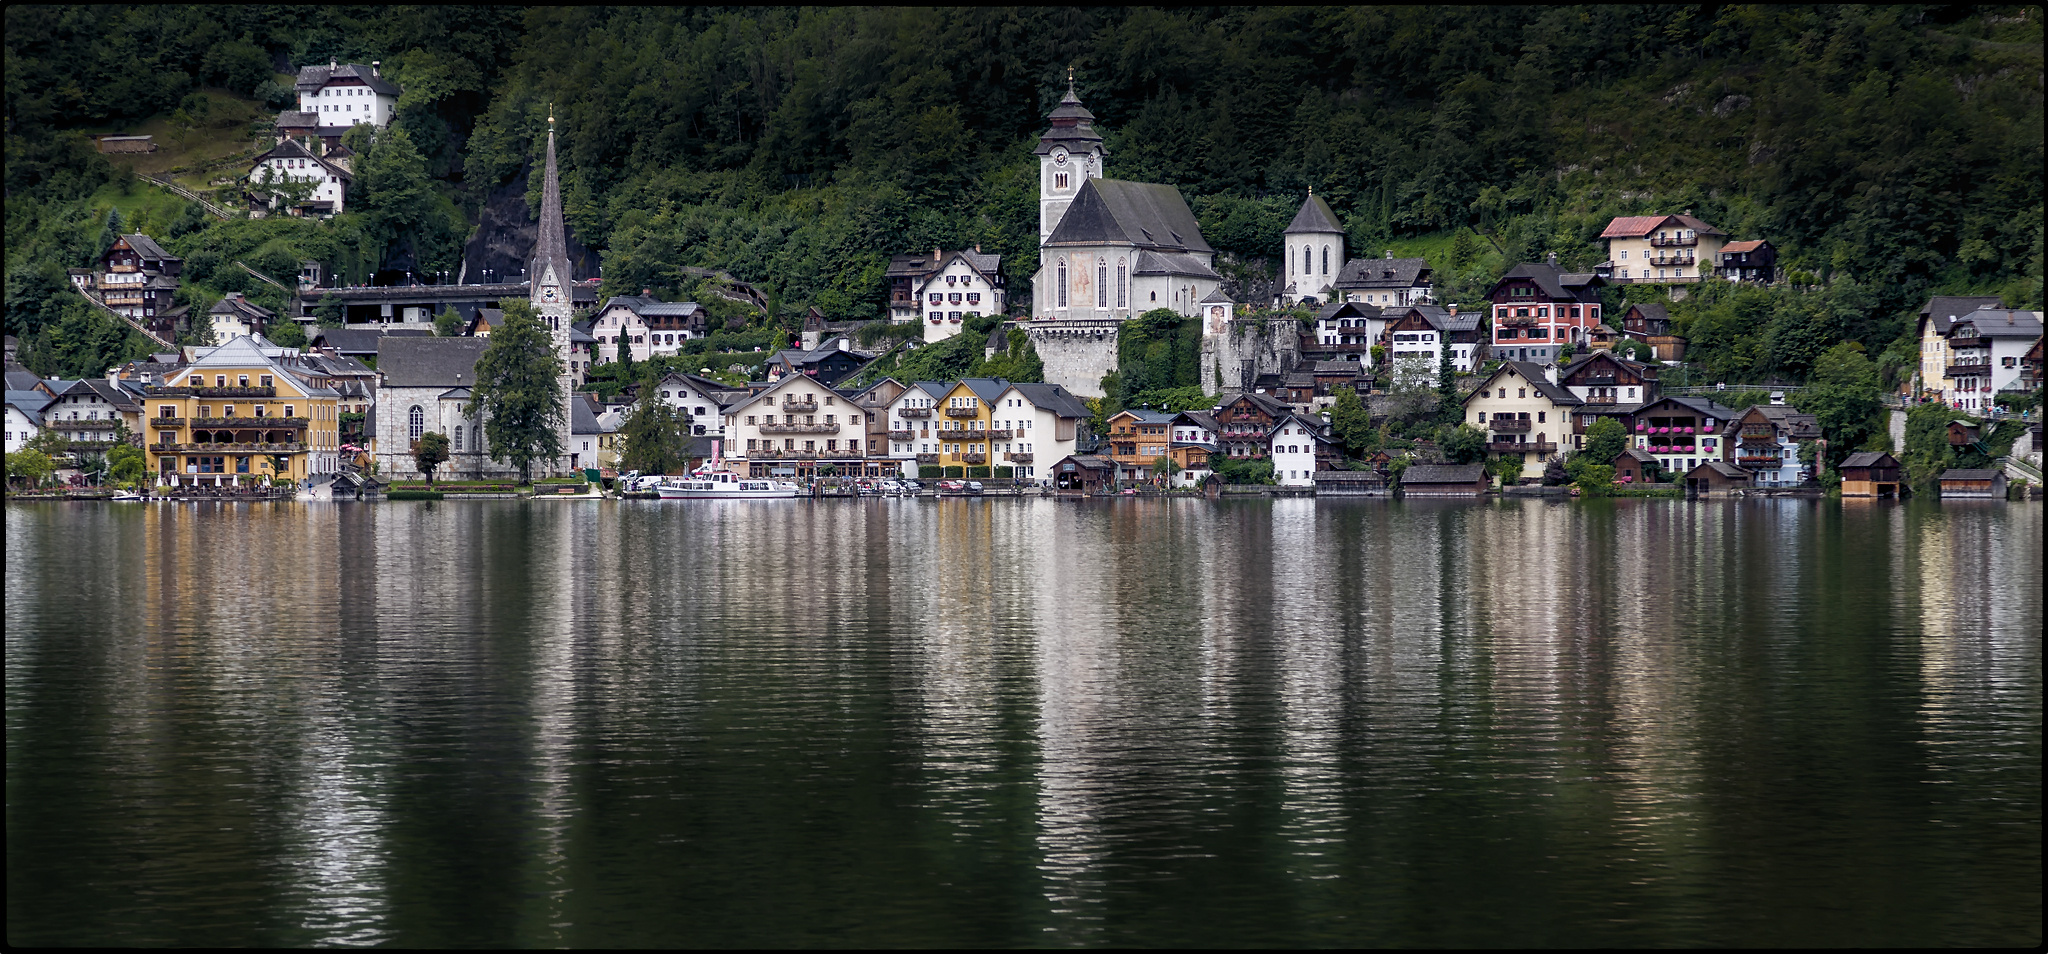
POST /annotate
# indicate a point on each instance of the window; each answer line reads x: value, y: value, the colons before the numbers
x: 166, y: 410
x: 242, y: 380
x: 415, y: 422
x: 220, y: 380
x: 264, y: 381
x: 1101, y: 284
x: 1061, y: 284
x: 288, y: 410
x: 1326, y: 260
x: 1122, y: 282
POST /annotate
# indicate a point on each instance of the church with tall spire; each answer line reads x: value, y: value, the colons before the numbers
x: 551, y: 280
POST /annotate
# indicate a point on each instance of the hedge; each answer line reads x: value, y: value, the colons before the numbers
x: 1006, y: 473
x: 413, y: 495
x: 978, y: 472
x: 930, y: 471
x: 955, y: 472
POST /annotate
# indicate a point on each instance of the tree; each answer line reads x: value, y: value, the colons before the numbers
x: 1449, y: 410
x: 449, y: 324
x: 30, y: 466
x: 429, y: 452
x: 127, y: 464
x: 1165, y: 467
x: 517, y: 394
x: 287, y: 334
x: 329, y: 312
x: 1605, y: 441
x: 1352, y: 424
x: 654, y: 436
x: 1594, y: 480
x: 1842, y: 395
x: 1462, y: 444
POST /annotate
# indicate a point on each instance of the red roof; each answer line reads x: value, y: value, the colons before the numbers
x: 1637, y: 226
x: 1748, y: 246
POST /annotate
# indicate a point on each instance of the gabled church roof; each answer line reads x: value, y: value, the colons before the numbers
x: 552, y: 248
x: 1145, y: 214
x: 1315, y: 216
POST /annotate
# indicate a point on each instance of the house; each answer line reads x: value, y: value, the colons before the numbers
x: 828, y: 363
x: 591, y: 440
x: 24, y: 416
x: 1245, y: 423
x: 699, y: 401
x: 1634, y: 466
x: 424, y: 384
x: 1525, y: 414
x: 1110, y: 249
x: 1870, y: 474
x: 1764, y: 439
x: 965, y: 430
x: 1444, y: 480
x: 235, y: 316
x: 1681, y: 432
x: 1538, y: 308
x: 1603, y: 378
x: 291, y: 174
x: 1137, y: 440
x: 1650, y: 324
x: 336, y: 96
x: 1715, y: 477
x: 1083, y: 474
x: 1347, y: 330
x: 646, y: 326
x: 912, y: 420
x: 1935, y: 318
x: 359, y: 343
x: 798, y: 427
x: 137, y: 279
x: 1662, y: 249
x: 1755, y: 260
x: 91, y: 414
x: 241, y: 413
x: 1299, y: 446
x: 874, y: 399
x: 1388, y: 282
x: 1960, y: 483
x: 1040, y: 420
x: 1962, y: 433
x: 945, y: 289
x: 1421, y: 333
x: 1985, y: 349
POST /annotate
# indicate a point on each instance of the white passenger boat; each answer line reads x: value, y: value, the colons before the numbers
x: 724, y: 485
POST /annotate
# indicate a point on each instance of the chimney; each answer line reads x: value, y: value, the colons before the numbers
x: 1454, y: 309
x: 1390, y: 255
x: 645, y: 292
x: 1553, y: 259
x: 977, y: 248
x: 1550, y: 373
x: 376, y: 67
x: 333, y: 64
x: 935, y: 258
x: 845, y: 345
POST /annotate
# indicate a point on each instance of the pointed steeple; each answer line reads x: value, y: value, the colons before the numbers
x: 552, y: 248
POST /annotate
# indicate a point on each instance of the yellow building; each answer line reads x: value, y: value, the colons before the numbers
x: 963, y: 427
x: 240, y: 413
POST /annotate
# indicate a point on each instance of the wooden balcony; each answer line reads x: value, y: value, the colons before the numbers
x: 1969, y: 370
x: 903, y: 435
x: 973, y: 458
x: 913, y: 412
x: 167, y: 422
x: 799, y: 428
x: 270, y: 423
x: 216, y: 448
x: 1765, y: 461
x: 807, y: 406
x: 1958, y: 344
x: 97, y: 424
x: 1510, y: 425
x: 1529, y: 447
x: 927, y: 458
x: 995, y: 434
x: 212, y: 392
x: 1673, y: 260
x: 963, y: 412
x: 1674, y: 242
x: 1021, y: 458
x: 839, y: 454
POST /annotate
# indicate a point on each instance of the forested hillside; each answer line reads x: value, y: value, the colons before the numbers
x: 1888, y: 152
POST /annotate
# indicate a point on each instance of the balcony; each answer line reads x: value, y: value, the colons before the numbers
x: 840, y: 454
x: 1679, y: 260
x: 1510, y: 425
x: 1958, y: 344
x: 1969, y: 370
x: 800, y: 407
x: 799, y: 428
x: 963, y: 412
x: 217, y: 392
x: 215, y: 448
x: 996, y: 434
x: 1674, y: 241
x: 973, y: 458
x: 1529, y: 447
x: 167, y: 422
x: 913, y: 412
x: 98, y: 424
x: 270, y: 423
x: 1023, y: 458
x: 1765, y: 461
x: 1597, y: 381
x: 927, y: 458
x: 903, y: 435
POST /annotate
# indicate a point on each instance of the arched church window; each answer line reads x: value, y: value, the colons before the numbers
x: 1061, y: 283
x: 458, y: 437
x: 415, y: 422
x: 1101, y: 284
x: 1326, y: 260
x: 1122, y: 284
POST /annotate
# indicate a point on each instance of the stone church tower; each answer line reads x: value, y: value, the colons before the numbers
x: 551, y: 288
x: 1069, y: 154
x: 1313, y: 252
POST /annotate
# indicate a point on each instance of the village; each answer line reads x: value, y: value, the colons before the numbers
x: 1538, y: 379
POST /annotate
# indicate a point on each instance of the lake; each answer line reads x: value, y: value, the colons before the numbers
x: 1025, y: 722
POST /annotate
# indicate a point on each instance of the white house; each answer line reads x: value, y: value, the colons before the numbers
x: 910, y: 418
x: 24, y: 417
x: 1421, y: 334
x: 1388, y: 282
x: 1350, y: 329
x: 699, y: 400
x: 423, y: 384
x: 1294, y: 445
x: 647, y: 326
x: 793, y: 428
x: 1045, y: 423
x: 968, y: 284
x: 235, y: 316
x: 1764, y: 439
x: 337, y: 96
x: 1985, y: 348
x: 294, y: 164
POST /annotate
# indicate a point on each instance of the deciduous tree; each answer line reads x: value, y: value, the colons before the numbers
x: 517, y: 392
x: 429, y: 452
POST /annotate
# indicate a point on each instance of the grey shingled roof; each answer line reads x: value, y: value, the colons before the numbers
x: 1169, y: 263
x: 1335, y: 311
x: 1315, y: 216
x: 1145, y: 214
x: 1958, y: 474
x: 1443, y: 474
x: 1944, y: 308
x: 315, y: 77
x: 2004, y: 323
x: 147, y: 247
x: 1370, y: 273
x: 1052, y: 397
x: 429, y: 362
x: 1554, y: 281
x: 1867, y: 459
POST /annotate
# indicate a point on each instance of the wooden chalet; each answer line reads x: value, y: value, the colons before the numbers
x: 1635, y: 466
x: 1715, y: 477
x: 1084, y: 474
x: 1961, y: 434
x: 1960, y: 483
x: 1245, y: 421
x: 1444, y: 480
x: 1651, y: 324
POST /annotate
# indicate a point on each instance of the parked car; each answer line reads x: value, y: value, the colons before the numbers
x: 890, y: 486
x: 974, y: 486
x: 952, y: 486
x: 912, y: 485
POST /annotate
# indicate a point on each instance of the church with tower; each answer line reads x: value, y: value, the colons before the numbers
x: 1110, y: 249
x: 550, y: 292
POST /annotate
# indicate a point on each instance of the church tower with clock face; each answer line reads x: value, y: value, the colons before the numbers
x: 1069, y: 154
x: 551, y: 290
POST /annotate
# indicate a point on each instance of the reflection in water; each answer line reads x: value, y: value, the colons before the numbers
x: 1008, y: 722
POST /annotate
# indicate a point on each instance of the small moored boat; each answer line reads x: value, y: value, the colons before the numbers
x: 724, y: 485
